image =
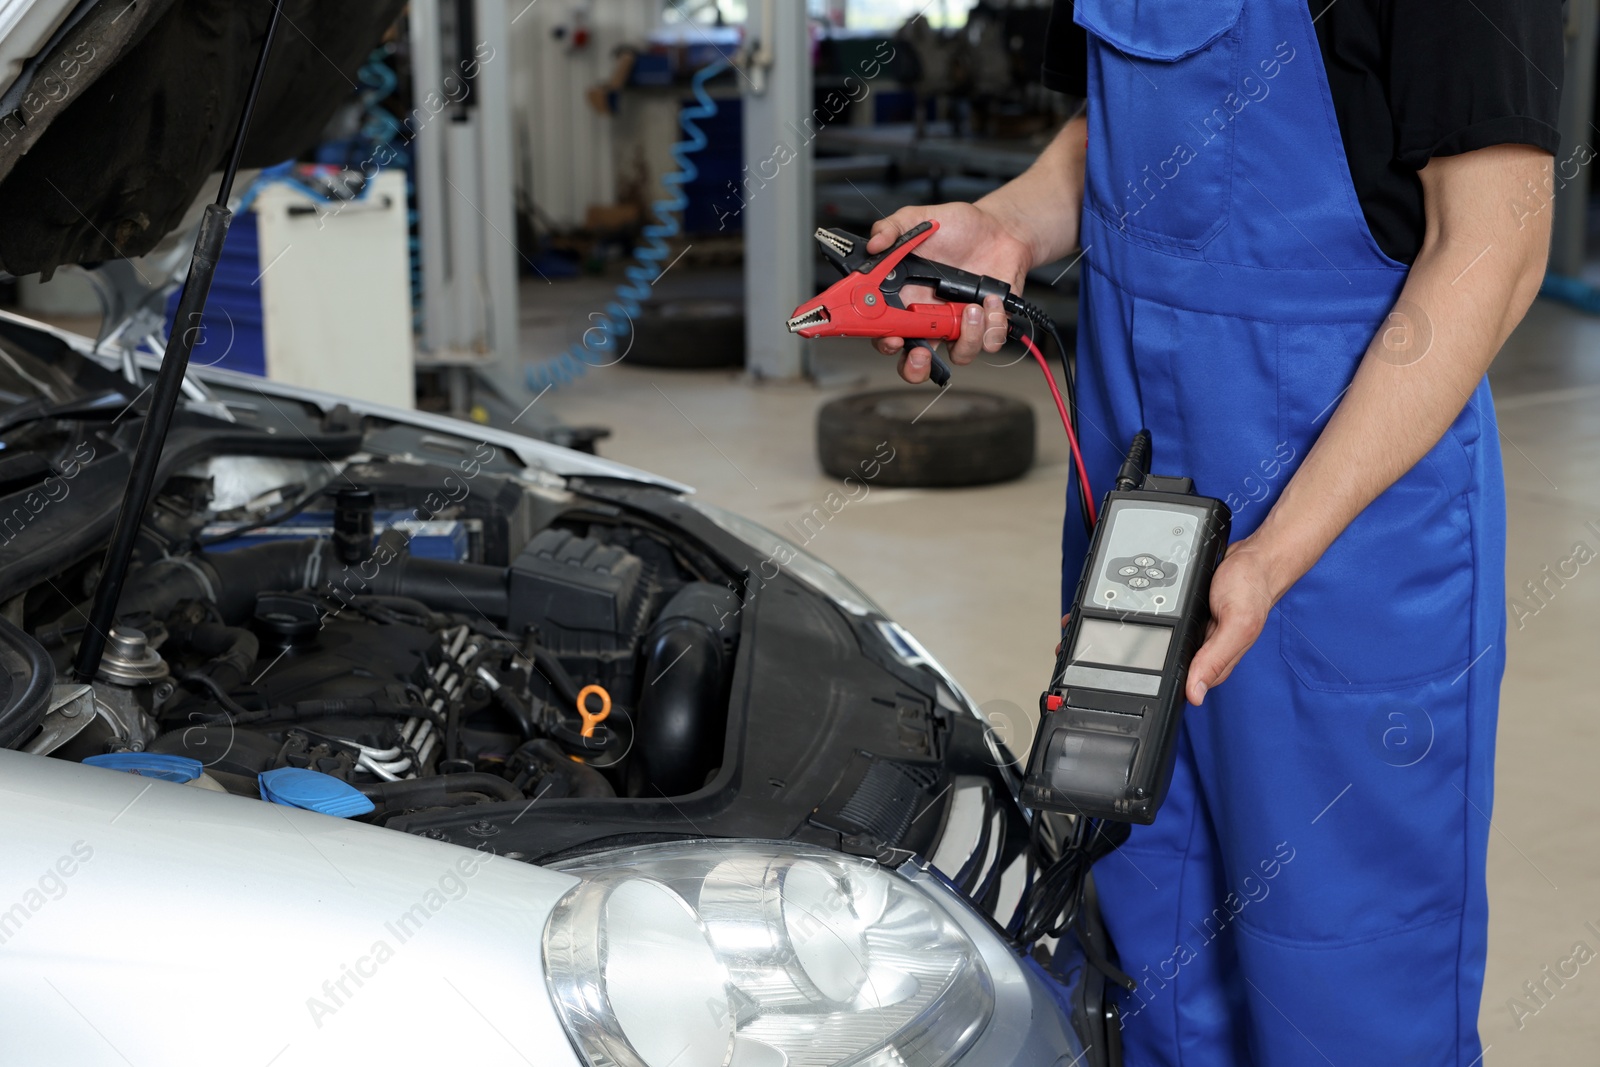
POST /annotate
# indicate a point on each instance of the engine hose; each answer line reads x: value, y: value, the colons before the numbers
x: 231, y: 652
x: 512, y: 705
x: 232, y: 580
x: 600, y: 341
x: 556, y: 674
x: 421, y: 792
x: 680, y: 731
x: 26, y: 700
x: 550, y: 773
x: 232, y: 710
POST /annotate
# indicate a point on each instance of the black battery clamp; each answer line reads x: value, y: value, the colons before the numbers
x: 1108, y: 723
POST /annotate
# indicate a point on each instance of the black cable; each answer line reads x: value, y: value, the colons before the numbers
x: 1037, y: 316
x: 237, y: 710
x: 1044, y: 899
x: 1092, y: 953
x: 1070, y: 386
x: 272, y: 519
x: 1055, y: 902
x: 1068, y: 373
x: 1019, y: 914
x: 1050, y: 909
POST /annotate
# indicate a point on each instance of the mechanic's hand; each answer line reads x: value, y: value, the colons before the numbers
x: 972, y: 239
x: 1243, y: 591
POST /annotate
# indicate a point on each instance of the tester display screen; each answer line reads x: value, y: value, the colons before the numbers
x: 1122, y: 644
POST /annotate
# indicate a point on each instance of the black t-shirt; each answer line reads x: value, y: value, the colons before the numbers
x: 1411, y: 79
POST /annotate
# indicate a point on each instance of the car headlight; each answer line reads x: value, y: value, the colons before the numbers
x: 747, y: 955
x: 780, y: 555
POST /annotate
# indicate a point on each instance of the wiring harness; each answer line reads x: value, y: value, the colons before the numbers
x: 1054, y: 902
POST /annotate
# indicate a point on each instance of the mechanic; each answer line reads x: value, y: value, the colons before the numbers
x: 1306, y: 230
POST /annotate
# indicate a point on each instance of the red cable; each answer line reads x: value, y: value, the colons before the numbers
x: 1066, y: 422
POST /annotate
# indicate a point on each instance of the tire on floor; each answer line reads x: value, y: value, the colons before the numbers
x: 959, y: 438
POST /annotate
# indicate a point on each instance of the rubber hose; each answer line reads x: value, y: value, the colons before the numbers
x: 548, y: 759
x: 556, y: 674
x: 420, y: 792
x: 683, y: 714
x: 25, y: 706
x: 231, y: 650
x: 232, y: 710
x: 512, y: 705
x: 232, y: 580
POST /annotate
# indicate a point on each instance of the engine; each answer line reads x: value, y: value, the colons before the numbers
x: 594, y: 663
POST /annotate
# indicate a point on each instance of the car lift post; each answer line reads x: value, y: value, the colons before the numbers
x: 779, y: 271
x: 466, y: 223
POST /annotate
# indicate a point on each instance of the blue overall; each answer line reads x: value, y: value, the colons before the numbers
x: 1313, y: 890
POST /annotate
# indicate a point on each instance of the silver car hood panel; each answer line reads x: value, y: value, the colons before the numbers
x: 152, y: 923
x: 535, y: 454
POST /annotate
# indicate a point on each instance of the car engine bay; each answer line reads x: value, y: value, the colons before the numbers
x: 476, y: 637
x: 256, y: 638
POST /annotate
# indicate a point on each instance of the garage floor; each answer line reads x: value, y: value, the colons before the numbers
x: 973, y: 573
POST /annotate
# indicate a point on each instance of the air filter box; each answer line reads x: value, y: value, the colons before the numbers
x: 580, y: 595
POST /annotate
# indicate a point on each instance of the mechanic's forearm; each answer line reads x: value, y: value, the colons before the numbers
x: 1477, y: 273
x: 1041, y: 206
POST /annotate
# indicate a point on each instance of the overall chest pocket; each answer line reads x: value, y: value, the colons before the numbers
x: 1166, y: 82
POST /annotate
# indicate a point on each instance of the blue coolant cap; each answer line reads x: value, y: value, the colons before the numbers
x: 298, y: 787
x: 150, y: 765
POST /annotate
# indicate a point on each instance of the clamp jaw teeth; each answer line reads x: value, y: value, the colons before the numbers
x: 817, y: 316
x: 841, y: 246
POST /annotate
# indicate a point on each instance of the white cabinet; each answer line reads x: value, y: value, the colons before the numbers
x: 336, y: 291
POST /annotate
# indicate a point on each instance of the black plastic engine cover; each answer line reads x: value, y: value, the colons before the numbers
x: 351, y: 658
x: 571, y: 588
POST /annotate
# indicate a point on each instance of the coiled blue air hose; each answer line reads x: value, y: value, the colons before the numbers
x: 380, y: 127
x: 1574, y: 292
x: 599, y: 342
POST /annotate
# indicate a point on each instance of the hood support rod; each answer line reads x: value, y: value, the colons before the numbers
x: 168, y: 386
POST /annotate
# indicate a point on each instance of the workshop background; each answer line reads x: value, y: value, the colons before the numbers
x: 524, y: 215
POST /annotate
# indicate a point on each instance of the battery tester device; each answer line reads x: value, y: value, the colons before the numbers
x: 1108, y: 723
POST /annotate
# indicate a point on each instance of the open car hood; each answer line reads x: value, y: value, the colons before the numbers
x: 115, y: 112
